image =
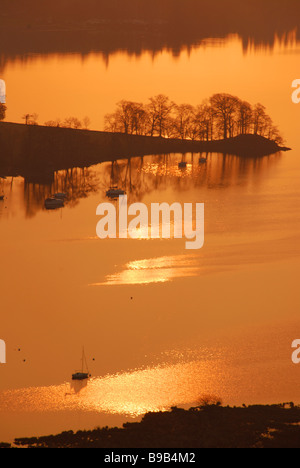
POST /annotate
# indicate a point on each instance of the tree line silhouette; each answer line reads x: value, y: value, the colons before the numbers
x: 222, y: 116
x: 209, y: 425
x: 69, y: 122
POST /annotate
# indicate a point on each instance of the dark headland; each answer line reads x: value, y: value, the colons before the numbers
x: 213, y: 426
x: 30, y: 149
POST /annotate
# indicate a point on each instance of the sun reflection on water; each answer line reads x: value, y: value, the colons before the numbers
x: 130, y: 393
x: 154, y: 270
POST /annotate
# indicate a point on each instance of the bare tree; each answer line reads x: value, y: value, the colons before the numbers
x: 274, y: 134
x: 86, y: 123
x: 159, y: 110
x: 259, y: 119
x: 110, y: 123
x: 130, y: 118
x: 124, y: 116
x: 26, y: 118
x: 244, y: 117
x: 139, y: 119
x: 53, y: 123
x: 72, y: 122
x: 225, y: 107
x: 204, y: 122
x: 30, y: 119
x: 183, y: 120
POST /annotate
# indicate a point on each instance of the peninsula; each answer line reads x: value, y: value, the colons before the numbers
x: 34, y: 149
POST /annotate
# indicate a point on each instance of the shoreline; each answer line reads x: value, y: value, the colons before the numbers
x: 38, y: 150
x: 208, y: 426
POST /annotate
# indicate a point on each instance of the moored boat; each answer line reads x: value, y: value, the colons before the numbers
x: 84, y: 373
x: 115, y: 192
x: 80, y: 376
x: 53, y: 203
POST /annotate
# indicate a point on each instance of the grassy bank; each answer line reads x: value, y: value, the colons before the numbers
x: 201, y: 427
x: 26, y: 149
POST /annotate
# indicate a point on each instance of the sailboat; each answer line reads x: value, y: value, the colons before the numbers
x: 82, y: 375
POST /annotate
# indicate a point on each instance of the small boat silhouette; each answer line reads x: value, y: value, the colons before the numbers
x: 202, y: 160
x: 82, y: 375
x: 115, y: 192
x: 53, y: 203
x: 182, y: 165
x: 1, y: 197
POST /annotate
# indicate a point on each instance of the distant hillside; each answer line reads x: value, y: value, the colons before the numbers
x: 45, y: 26
x: 279, y: 14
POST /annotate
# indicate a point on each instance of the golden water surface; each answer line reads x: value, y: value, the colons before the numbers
x: 161, y: 325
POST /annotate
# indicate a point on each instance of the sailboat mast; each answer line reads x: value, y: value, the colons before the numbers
x: 84, y: 361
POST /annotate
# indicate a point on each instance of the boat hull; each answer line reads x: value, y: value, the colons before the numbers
x: 115, y: 193
x: 80, y: 376
x: 53, y: 204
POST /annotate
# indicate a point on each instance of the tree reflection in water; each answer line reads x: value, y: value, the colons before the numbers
x: 138, y: 176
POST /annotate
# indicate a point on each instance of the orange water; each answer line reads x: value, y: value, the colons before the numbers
x: 163, y: 325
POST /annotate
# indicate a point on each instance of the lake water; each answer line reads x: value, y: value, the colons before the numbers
x: 161, y: 325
